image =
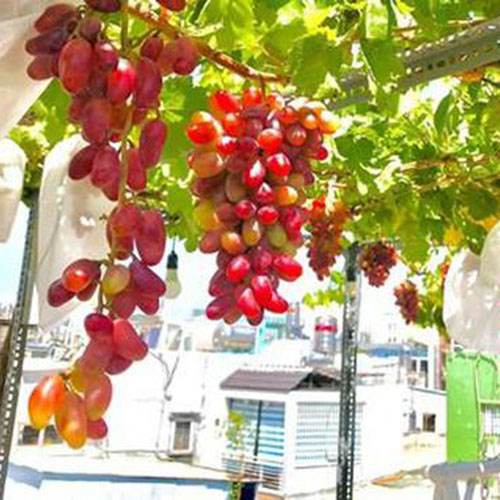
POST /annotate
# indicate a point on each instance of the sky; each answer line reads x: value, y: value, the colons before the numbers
x: 378, y: 313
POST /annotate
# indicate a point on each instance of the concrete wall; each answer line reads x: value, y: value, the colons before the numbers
x: 427, y: 401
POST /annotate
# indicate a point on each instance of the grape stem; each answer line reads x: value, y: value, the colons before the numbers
x: 213, y: 55
x: 124, y: 27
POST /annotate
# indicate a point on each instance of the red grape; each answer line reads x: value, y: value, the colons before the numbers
x: 145, y: 280
x: 152, y: 140
x: 75, y: 65
x: 121, y: 82
x: 127, y: 342
x: 105, y: 167
x: 117, y: 364
x: 96, y: 120
x: 79, y: 274
x: 96, y: 429
x: 54, y: 16
x: 104, y: 5
x: 151, y: 238
x: 148, y: 84
x: 81, y: 164
x: 58, y: 295
x: 99, y: 327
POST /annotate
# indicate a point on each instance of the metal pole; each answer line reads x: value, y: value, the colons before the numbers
x: 347, y: 411
x: 17, y: 340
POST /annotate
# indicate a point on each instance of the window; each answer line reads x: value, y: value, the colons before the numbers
x: 29, y: 435
x: 264, y: 427
x: 429, y: 422
x: 424, y: 366
x: 51, y: 436
x: 317, y: 434
x: 181, y: 439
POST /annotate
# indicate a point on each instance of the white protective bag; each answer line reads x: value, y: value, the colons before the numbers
x: 17, y: 90
x: 490, y: 258
x: 70, y: 226
x: 12, y: 164
x: 472, y: 297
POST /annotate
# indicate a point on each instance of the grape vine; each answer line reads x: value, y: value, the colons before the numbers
x: 114, y: 98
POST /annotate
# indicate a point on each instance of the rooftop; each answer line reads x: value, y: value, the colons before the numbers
x: 281, y: 380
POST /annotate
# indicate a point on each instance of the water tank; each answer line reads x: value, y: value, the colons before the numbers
x: 325, y: 335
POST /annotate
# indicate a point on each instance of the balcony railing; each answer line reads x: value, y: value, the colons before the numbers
x: 447, y: 476
x: 268, y: 472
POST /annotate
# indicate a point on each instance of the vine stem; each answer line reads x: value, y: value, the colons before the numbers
x: 213, y: 55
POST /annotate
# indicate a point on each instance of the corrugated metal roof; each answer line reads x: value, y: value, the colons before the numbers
x: 278, y: 380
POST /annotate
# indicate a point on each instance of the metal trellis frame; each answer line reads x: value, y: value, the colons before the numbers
x: 347, y: 413
x: 17, y: 340
x: 462, y: 51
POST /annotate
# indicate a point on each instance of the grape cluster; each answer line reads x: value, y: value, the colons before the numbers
x: 376, y: 262
x: 252, y: 159
x: 407, y: 300
x: 326, y: 226
x: 110, y: 96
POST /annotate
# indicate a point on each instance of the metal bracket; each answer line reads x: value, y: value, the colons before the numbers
x: 17, y: 341
x: 462, y: 51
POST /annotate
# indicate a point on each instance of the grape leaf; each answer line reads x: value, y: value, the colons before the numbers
x: 236, y: 18
x: 376, y: 19
x: 441, y: 113
x: 281, y: 37
x: 312, y: 58
x: 386, y: 68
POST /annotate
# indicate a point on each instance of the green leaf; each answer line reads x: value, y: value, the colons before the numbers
x: 386, y: 68
x: 236, y: 18
x: 481, y: 203
x: 424, y: 14
x: 312, y: 58
x: 388, y: 102
x: 56, y: 103
x: 181, y: 99
x: 441, y: 114
x: 281, y: 37
x: 376, y: 19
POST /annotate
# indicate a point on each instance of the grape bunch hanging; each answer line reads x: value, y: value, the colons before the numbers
x: 251, y: 162
x: 376, y: 262
x: 114, y: 97
x: 326, y: 226
x: 407, y: 300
